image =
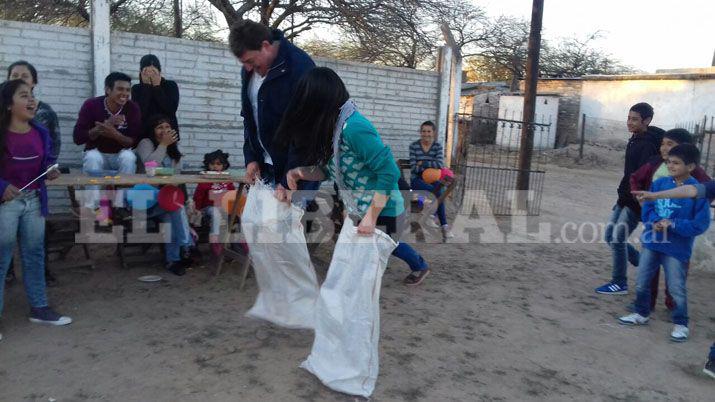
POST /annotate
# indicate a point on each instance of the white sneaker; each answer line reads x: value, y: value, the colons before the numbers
x: 431, y: 223
x: 680, y: 333
x: 633, y: 319
x: 446, y: 232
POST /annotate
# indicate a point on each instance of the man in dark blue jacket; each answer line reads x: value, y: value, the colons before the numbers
x: 271, y: 69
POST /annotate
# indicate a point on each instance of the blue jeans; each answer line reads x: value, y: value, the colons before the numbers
x: 712, y: 352
x: 180, y: 233
x: 675, y: 275
x: 622, y: 223
x: 393, y: 226
x: 419, y: 184
x: 21, y: 220
x: 125, y: 162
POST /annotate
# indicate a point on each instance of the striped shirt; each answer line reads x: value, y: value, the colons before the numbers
x: 421, y: 160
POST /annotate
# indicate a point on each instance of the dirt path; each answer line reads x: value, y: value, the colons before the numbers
x: 493, y: 322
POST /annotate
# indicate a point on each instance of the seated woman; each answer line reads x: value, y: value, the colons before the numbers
x: 427, y: 153
x: 332, y: 139
x: 160, y: 146
x: 25, y: 153
x: 155, y: 94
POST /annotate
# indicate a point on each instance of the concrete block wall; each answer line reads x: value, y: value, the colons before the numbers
x: 396, y: 100
x: 569, y: 91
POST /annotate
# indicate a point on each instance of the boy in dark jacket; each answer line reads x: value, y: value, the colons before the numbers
x: 642, y: 145
x: 654, y: 169
x: 671, y: 226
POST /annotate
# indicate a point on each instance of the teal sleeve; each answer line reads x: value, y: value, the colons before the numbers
x: 377, y: 156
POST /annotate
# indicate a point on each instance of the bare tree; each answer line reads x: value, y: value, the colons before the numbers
x: 293, y: 16
x: 505, y: 46
x: 157, y: 17
x: 574, y: 57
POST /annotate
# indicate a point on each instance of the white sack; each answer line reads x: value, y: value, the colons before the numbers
x: 347, y: 325
x: 288, y: 286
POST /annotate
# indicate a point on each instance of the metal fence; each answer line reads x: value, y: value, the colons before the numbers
x: 487, y: 167
x: 703, y: 132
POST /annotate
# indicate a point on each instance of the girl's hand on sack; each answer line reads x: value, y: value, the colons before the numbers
x: 367, y: 224
x: 282, y: 194
x: 293, y: 177
x: 10, y: 193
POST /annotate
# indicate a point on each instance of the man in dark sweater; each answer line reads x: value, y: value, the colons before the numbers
x: 643, y: 144
x: 108, y: 127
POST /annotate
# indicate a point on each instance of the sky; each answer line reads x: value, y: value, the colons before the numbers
x: 645, y: 34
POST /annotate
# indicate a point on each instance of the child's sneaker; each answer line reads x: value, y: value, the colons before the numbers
x: 447, y: 232
x: 431, y: 222
x: 612, y: 289
x: 680, y: 333
x: 45, y: 315
x: 177, y: 268
x: 709, y: 368
x: 633, y: 319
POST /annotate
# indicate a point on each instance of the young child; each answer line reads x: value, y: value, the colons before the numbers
x: 656, y: 168
x: 642, y: 145
x: 670, y: 229
x: 207, y: 193
x: 25, y: 153
x: 701, y: 191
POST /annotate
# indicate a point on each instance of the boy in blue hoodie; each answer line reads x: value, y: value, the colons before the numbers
x: 670, y: 229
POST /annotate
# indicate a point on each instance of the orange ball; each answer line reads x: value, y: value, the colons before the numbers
x: 228, y: 199
x: 431, y: 175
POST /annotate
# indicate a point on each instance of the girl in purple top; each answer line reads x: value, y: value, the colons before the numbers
x: 25, y: 152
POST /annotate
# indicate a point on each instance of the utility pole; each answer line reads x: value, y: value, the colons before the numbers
x: 526, y: 147
x: 178, y: 23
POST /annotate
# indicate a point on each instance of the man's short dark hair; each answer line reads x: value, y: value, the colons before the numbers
x: 27, y: 64
x: 643, y: 109
x: 688, y: 153
x: 114, y: 77
x: 247, y: 35
x: 429, y: 123
x: 679, y: 135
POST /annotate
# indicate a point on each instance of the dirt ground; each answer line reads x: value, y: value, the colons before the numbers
x: 492, y: 322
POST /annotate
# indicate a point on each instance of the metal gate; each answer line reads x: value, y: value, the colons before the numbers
x: 487, y: 166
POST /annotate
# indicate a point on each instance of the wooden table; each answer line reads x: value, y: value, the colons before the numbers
x: 73, y: 180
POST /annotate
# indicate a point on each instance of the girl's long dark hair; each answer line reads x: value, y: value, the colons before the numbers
x: 309, y: 121
x: 173, y: 149
x: 7, y: 91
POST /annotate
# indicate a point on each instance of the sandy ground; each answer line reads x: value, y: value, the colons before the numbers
x: 493, y: 322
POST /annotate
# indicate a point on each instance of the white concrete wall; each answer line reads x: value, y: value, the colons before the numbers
x: 674, y: 101
x: 396, y: 100
x: 511, y: 107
